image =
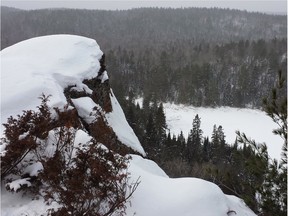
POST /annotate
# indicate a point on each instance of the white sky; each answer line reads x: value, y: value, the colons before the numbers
x: 277, y: 6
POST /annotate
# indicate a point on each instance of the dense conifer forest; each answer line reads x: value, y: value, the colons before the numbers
x: 201, y: 57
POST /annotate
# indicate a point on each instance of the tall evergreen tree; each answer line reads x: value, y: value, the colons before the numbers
x: 195, y: 140
x: 206, y: 150
x: 218, y: 144
x: 181, y: 145
x: 151, y: 143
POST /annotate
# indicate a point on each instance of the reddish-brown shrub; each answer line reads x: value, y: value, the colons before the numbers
x: 87, y: 179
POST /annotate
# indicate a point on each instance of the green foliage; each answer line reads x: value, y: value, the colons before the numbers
x: 180, y: 55
x: 276, y: 109
x: 273, y: 189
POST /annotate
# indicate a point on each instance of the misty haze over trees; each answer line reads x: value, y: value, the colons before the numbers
x: 203, y: 57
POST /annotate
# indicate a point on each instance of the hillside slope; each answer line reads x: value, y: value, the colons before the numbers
x: 195, y: 56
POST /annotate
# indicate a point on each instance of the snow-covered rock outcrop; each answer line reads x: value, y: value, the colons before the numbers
x: 65, y: 67
x: 72, y: 70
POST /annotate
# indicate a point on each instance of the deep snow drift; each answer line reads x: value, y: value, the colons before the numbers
x: 48, y: 65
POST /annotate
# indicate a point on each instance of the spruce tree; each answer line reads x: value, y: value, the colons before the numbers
x: 218, y: 144
x: 195, y: 140
x: 206, y: 150
x: 181, y: 145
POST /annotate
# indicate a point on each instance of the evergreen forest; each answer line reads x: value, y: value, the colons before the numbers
x: 194, y: 56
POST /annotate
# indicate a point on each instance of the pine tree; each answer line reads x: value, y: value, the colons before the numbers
x: 273, y: 187
x: 274, y: 192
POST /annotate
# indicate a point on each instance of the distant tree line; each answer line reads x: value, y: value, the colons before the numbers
x: 142, y: 28
x: 198, y: 56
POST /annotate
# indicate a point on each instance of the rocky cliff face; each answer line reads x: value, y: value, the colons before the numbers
x: 101, y: 87
x: 101, y: 95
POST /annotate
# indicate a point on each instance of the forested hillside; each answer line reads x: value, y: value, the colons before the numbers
x: 203, y: 57
x: 237, y: 74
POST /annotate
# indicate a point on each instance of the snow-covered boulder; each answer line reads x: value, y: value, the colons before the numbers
x: 65, y: 67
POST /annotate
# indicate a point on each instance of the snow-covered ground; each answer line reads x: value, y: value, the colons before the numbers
x: 158, y: 195
x: 254, y: 123
x: 48, y: 65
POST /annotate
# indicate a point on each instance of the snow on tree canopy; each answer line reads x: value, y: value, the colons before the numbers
x: 48, y: 65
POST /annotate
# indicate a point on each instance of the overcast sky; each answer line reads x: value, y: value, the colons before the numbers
x: 277, y: 6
